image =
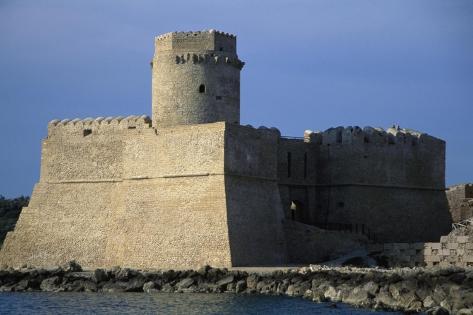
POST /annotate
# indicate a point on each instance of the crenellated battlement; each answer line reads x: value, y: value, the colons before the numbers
x: 114, y: 123
x: 193, y: 33
x: 209, y: 40
x: 208, y: 58
x: 373, y: 135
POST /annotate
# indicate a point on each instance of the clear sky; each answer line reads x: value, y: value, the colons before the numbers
x: 310, y: 64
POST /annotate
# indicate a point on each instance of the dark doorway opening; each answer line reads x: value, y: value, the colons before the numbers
x: 296, y: 211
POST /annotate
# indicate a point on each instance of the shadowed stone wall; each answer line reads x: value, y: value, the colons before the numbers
x: 390, y: 182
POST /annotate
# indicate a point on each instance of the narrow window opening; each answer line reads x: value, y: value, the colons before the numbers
x: 218, y: 98
x: 202, y: 88
x: 305, y: 165
x: 289, y: 164
x: 132, y: 127
x: 87, y: 132
x: 221, y: 49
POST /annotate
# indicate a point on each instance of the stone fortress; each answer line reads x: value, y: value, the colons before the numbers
x: 191, y: 186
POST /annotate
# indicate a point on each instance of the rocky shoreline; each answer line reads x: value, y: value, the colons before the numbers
x: 434, y: 291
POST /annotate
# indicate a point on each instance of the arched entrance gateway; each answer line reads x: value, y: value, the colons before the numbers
x: 296, y: 211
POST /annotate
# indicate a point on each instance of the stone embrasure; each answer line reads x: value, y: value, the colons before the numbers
x: 411, y: 290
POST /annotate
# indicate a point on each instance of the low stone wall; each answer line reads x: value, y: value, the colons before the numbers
x: 400, y: 254
x: 452, y: 250
x: 455, y: 249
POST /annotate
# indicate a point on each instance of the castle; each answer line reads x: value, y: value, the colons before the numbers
x: 192, y: 186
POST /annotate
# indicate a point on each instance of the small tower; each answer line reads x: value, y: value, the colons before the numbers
x: 196, y: 79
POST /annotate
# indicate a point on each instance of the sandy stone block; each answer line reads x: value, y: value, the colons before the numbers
x: 462, y: 239
x: 452, y: 245
x: 469, y: 245
x: 444, y: 252
x: 432, y: 258
x: 460, y: 252
x: 434, y: 245
x: 428, y: 251
x: 468, y: 259
x: 444, y: 264
x: 443, y: 239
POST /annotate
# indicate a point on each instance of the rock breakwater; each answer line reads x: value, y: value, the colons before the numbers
x: 435, y: 291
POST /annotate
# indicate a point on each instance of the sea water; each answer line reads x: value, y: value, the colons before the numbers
x: 165, y: 303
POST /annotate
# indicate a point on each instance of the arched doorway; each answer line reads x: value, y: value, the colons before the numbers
x: 296, y: 210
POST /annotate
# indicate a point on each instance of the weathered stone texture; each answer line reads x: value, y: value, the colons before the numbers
x: 391, y: 183
x: 196, y: 79
x: 460, y: 201
x: 308, y: 244
x: 191, y: 186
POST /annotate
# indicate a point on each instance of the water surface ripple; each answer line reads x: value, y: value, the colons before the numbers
x: 164, y: 303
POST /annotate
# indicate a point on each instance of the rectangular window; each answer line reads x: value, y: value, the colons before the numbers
x: 289, y: 166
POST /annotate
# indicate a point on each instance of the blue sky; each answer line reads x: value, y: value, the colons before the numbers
x: 309, y: 65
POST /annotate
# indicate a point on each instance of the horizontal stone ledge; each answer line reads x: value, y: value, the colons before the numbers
x: 187, y: 175
x: 112, y: 180
x: 298, y: 183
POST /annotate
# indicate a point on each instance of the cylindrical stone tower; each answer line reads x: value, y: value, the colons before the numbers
x: 196, y: 79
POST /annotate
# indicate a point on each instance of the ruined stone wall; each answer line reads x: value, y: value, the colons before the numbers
x: 454, y: 249
x: 460, y: 202
x: 195, y: 79
x: 391, y: 182
x: 399, y: 254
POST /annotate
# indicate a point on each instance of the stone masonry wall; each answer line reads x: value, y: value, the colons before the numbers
x: 454, y: 249
x: 460, y: 202
x: 391, y: 182
x: 400, y: 254
x: 119, y: 192
x: 195, y: 79
x: 126, y: 196
x: 253, y: 200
